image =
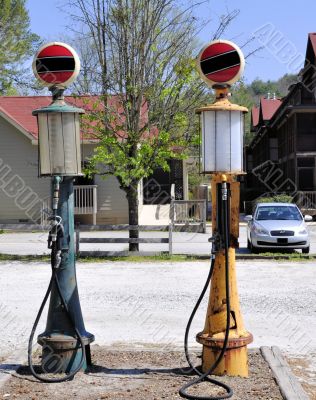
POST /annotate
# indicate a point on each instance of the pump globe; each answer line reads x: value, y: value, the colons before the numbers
x: 222, y: 129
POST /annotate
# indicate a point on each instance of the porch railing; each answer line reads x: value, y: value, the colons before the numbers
x: 306, y: 201
x: 188, y: 212
x: 85, y: 203
x: 85, y: 200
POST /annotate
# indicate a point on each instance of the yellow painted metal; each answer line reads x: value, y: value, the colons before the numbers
x: 235, y: 362
x: 222, y: 103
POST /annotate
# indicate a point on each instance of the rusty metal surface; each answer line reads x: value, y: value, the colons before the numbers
x: 59, y: 342
x: 217, y: 343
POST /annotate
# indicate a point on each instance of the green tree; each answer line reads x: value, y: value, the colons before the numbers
x: 278, y: 87
x: 17, y: 43
x: 250, y: 94
x: 242, y: 95
x: 149, y: 86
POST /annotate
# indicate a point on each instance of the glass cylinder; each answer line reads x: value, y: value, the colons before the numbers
x: 222, y: 141
x: 59, y: 143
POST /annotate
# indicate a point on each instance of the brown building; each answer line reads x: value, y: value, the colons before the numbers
x: 282, y: 155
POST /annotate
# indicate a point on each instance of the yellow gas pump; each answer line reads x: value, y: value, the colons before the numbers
x: 224, y: 337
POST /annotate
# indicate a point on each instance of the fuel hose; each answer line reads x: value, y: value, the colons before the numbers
x: 55, y: 262
x: 204, y: 377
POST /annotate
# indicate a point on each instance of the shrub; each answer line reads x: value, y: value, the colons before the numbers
x: 277, y: 198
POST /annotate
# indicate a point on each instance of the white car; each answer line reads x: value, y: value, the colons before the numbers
x: 277, y: 225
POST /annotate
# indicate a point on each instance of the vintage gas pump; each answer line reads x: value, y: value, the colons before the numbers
x: 224, y: 337
x: 65, y: 341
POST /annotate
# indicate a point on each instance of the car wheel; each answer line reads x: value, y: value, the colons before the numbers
x: 248, y: 245
x: 253, y: 249
x: 305, y: 250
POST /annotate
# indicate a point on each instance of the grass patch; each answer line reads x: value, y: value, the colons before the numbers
x: 164, y: 257
x: 15, y: 257
x: 135, y: 258
x: 279, y: 256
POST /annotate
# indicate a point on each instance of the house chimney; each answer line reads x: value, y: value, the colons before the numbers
x: 274, y: 96
x: 268, y: 96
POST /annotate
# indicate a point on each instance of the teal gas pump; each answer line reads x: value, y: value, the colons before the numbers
x: 65, y: 341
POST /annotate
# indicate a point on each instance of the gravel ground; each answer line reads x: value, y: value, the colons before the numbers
x: 137, y: 305
x: 145, y: 375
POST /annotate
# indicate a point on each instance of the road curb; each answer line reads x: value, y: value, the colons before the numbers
x: 289, y: 385
x: 11, y: 365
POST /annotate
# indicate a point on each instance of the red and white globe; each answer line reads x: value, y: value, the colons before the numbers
x: 56, y: 64
x: 220, y: 62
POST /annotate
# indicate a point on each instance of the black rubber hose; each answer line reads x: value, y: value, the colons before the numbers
x: 67, y: 377
x: 204, y: 376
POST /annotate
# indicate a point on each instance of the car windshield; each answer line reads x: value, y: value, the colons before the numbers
x: 278, y: 213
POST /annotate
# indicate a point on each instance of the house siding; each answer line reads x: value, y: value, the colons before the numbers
x: 20, y: 186
x: 22, y: 191
x: 112, y: 204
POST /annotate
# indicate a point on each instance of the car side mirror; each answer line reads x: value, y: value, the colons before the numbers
x: 308, y: 218
x: 248, y: 218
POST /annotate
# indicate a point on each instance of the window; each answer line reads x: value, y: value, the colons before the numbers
x: 306, y: 162
x: 157, y: 187
x: 306, y: 132
x: 306, y: 179
x: 273, y: 145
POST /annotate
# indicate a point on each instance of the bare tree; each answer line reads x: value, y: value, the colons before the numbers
x: 144, y: 54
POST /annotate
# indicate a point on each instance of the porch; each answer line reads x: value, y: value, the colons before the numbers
x: 306, y: 201
x: 85, y: 203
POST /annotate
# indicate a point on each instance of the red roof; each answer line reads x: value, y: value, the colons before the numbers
x: 312, y: 37
x: 19, y: 110
x: 269, y: 107
x: 311, y: 49
x: 254, y: 116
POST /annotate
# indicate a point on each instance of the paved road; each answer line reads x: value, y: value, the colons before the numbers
x: 184, y: 243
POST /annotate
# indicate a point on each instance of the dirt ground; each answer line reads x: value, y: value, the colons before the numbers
x: 141, y: 375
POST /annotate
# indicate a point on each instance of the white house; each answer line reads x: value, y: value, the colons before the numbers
x: 23, y: 195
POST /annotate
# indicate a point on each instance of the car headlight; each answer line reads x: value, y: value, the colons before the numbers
x: 303, y: 231
x: 260, y: 231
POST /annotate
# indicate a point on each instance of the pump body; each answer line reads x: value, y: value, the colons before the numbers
x: 235, y: 361
x: 61, y: 351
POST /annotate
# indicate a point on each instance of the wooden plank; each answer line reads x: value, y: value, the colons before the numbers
x: 123, y: 227
x: 103, y: 253
x: 10, y: 366
x: 288, y: 383
x: 124, y: 240
x: 24, y: 227
x: 178, y: 227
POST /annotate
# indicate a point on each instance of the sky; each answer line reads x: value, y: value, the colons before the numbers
x: 279, y: 26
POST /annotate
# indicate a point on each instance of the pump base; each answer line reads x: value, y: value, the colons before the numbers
x: 235, y: 360
x: 62, y: 353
